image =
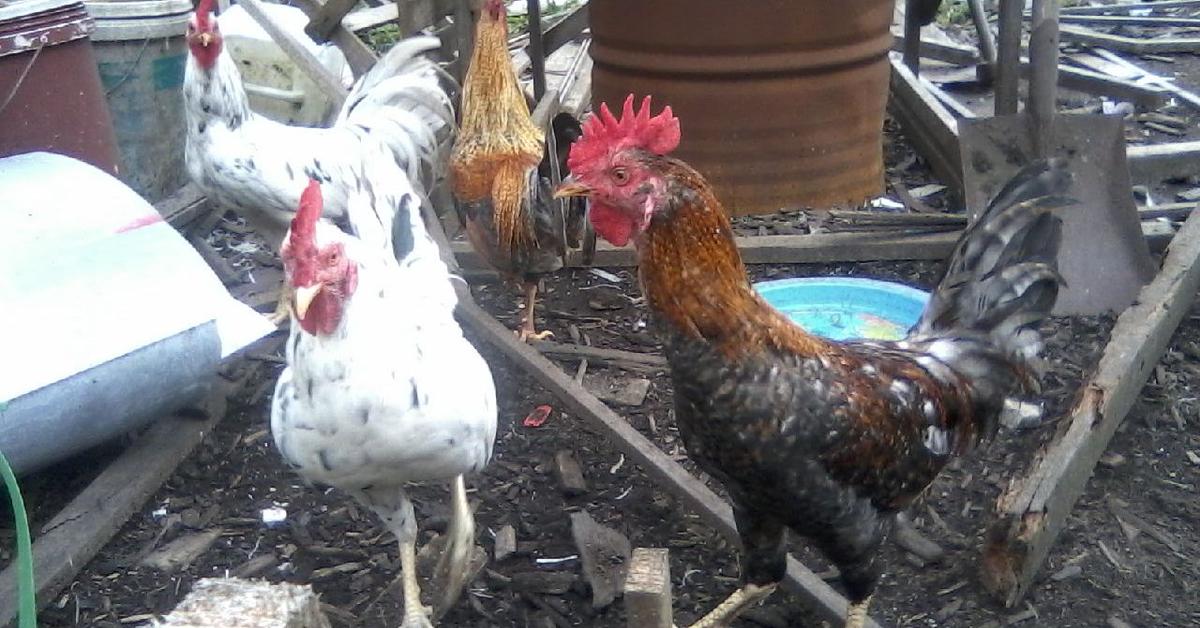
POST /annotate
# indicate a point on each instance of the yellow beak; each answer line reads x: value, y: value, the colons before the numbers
x: 571, y: 187
x: 205, y: 39
x: 302, y: 298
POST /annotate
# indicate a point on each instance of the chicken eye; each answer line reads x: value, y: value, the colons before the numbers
x: 333, y: 258
x: 620, y: 175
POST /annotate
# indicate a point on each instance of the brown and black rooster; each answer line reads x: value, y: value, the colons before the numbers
x: 828, y: 439
x: 500, y: 170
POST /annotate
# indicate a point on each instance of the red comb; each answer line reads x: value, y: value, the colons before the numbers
x: 304, y: 225
x: 495, y: 8
x: 603, y: 132
x: 203, y: 10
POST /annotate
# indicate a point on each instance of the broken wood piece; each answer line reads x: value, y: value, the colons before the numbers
x: 1155, y: 162
x: 328, y: 17
x: 601, y: 356
x: 358, y: 54
x: 648, y: 589
x: 180, y: 553
x: 604, y: 554
x: 907, y: 536
x: 505, y: 543
x: 569, y: 473
x: 1032, y: 512
x: 237, y: 603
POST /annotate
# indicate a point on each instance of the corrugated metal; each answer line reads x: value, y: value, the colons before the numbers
x: 781, y: 102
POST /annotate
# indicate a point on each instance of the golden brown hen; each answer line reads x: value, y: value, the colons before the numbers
x: 498, y: 170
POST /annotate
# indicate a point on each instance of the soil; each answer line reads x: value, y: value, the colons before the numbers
x: 1103, y: 570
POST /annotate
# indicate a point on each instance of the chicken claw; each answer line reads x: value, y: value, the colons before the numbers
x: 283, y: 310
x: 416, y: 615
x: 527, y: 333
x: 453, y: 569
x: 734, y: 605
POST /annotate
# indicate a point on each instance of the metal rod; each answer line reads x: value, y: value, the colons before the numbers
x: 1008, y: 57
x: 987, y: 44
x: 537, y: 52
x: 912, y: 37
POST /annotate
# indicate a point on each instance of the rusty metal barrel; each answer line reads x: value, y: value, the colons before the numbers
x: 781, y: 102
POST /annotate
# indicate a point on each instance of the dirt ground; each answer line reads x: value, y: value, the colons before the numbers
x: 1129, y: 555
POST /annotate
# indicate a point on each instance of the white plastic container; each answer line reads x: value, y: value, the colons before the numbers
x: 277, y: 88
x: 112, y: 319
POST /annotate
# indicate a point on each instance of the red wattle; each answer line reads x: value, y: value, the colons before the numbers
x: 611, y: 224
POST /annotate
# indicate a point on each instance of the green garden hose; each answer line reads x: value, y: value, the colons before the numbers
x: 27, y: 604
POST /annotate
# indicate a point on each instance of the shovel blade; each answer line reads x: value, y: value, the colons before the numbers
x: 1104, y: 258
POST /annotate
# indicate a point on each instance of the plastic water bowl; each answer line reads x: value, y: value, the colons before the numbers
x: 846, y: 308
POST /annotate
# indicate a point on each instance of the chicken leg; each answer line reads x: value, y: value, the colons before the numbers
x: 283, y: 309
x: 416, y: 615
x: 527, y: 331
x: 734, y: 605
x: 453, y: 568
x: 856, y: 617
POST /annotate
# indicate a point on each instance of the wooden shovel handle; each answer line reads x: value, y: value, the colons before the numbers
x: 1043, y: 77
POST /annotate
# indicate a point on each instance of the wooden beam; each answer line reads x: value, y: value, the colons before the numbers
x: 187, y: 204
x: 927, y: 124
x: 1130, y: 20
x: 1156, y: 162
x: 330, y: 15
x: 954, y: 54
x: 1008, y: 54
x: 1034, y: 509
x: 648, y: 590
x: 1134, y: 45
x: 1098, y: 83
x: 305, y: 60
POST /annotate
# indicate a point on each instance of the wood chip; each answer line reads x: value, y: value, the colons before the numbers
x: 329, y: 572
x: 907, y: 536
x: 621, y: 391
x: 570, y: 474
x: 605, y: 554
x: 1066, y: 573
x: 505, y: 544
x: 180, y: 553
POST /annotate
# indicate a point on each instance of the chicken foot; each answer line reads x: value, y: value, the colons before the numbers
x: 527, y: 330
x: 734, y: 605
x: 856, y: 617
x: 283, y: 309
x: 416, y: 615
x: 454, y: 567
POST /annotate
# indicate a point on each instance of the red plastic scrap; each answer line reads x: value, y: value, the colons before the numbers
x: 538, y: 416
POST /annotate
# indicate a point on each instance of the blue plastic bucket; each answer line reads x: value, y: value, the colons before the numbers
x: 845, y: 308
x: 141, y: 52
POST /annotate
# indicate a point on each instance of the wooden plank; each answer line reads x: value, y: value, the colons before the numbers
x: 927, y: 124
x: 1156, y: 162
x: 578, y: 95
x: 1128, y: 6
x: 1035, y: 508
x: 1134, y: 45
x: 1100, y: 84
x: 600, y: 355
x: 648, y: 589
x: 330, y: 15
x: 800, y: 580
x: 358, y: 54
x: 305, y: 60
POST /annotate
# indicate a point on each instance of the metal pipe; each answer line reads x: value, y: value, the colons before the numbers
x: 537, y: 52
x: 1008, y: 59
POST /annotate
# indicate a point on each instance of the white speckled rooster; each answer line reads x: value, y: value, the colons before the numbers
x: 381, y: 387
x: 398, y: 111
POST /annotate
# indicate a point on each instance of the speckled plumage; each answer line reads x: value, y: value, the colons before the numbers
x: 831, y: 439
x: 395, y: 393
x: 398, y: 112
